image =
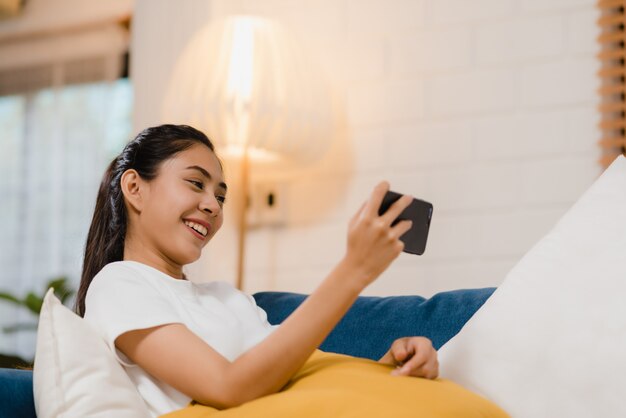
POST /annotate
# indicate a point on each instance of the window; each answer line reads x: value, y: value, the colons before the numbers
x: 54, y: 148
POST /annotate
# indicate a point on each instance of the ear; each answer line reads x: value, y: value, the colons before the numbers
x: 132, y: 188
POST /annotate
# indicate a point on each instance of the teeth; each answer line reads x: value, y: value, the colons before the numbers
x: 199, y: 228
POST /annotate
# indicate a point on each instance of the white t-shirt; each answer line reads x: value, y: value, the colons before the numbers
x: 128, y: 295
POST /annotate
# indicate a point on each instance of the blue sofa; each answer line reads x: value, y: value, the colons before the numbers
x: 367, y: 330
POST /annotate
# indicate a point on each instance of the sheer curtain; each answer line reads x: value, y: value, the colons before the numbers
x: 54, y: 147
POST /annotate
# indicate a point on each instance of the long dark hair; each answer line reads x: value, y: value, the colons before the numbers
x: 145, y: 153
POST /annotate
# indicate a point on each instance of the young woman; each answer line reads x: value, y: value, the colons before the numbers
x: 160, y: 202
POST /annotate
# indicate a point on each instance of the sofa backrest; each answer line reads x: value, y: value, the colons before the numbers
x: 367, y: 330
x: 373, y: 323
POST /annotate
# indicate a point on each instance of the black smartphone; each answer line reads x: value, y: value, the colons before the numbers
x: 420, y: 212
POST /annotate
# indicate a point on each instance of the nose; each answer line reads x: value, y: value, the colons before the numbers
x: 209, y: 204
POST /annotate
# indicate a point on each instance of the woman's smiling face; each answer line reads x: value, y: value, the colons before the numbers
x: 181, y: 208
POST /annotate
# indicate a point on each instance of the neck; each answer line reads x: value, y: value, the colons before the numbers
x: 134, y: 252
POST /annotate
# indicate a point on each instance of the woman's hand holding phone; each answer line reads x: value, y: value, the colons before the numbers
x: 373, y: 243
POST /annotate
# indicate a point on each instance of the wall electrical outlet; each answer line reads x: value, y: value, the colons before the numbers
x: 267, y: 204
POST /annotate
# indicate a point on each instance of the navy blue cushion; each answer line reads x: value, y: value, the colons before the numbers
x: 16, y: 394
x: 373, y: 323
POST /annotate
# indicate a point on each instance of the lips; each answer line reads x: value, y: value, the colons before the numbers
x: 198, y: 227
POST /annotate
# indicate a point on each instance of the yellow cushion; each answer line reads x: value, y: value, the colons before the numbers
x: 335, y: 385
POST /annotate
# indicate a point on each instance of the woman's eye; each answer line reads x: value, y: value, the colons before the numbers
x: 221, y: 199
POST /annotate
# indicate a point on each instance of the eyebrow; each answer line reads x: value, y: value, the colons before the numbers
x: 207, y: 175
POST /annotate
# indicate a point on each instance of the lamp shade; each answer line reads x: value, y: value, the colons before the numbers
x: 246, y: 83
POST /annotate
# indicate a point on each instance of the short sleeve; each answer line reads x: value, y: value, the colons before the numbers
x: 261, y: 313
x: 121, y: 299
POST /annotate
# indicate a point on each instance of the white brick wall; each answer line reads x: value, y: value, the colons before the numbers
x: 485, y: 108
x: 463, y: 12
x: 435, y: 50
x: 519, y: 39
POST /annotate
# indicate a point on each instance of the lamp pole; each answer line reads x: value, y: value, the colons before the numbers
x: 243, y: 221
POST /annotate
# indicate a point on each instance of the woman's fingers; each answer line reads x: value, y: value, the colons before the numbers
x: 376, y: 199
x: 423, y: 361
x: 401, y: 228
x: 413, y: 366
x: 401, y: 350
x: 396, y: 209
x: 419, y: 366
x: 428, y: 370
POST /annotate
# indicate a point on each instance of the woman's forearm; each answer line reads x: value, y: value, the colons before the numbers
x: 268, y: 366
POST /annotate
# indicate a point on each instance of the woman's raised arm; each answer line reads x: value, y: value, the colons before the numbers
x: 178, y: 357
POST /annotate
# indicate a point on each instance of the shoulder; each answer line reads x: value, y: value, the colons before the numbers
x: 123, y: 280
x: 127, y: 289
x: 123, y: 268
x: 113, y: 275
x: 130, y: 272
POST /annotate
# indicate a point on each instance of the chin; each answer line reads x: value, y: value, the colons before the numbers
x: 187, y: 257
x: 188, y: 260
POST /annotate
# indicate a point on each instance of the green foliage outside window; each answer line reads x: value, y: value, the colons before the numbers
x: 32, y: 302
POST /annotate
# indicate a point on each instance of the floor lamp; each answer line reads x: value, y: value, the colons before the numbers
x: 247, y: 83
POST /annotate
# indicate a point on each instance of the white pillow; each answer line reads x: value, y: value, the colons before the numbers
x: 551, y: 341
x: 75, y: 374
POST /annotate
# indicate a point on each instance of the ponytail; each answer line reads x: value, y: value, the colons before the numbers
x: 105, y: 240
x: 145, y: 153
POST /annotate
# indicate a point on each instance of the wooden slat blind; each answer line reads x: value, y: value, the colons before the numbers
x: 612, y: 74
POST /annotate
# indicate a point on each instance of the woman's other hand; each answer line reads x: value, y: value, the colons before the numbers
x: 412, y: 356
x: 372, y: 242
